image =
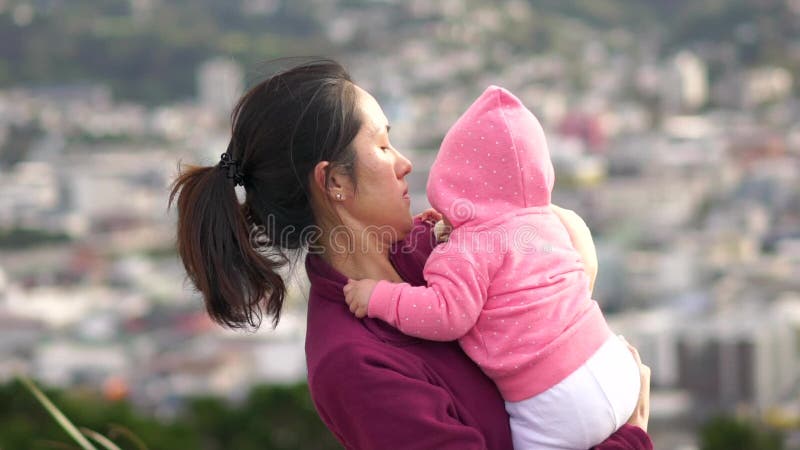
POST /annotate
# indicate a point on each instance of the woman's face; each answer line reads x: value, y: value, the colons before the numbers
x: 381, y: 197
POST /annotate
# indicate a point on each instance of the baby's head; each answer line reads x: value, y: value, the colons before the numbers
x: 493, y: 160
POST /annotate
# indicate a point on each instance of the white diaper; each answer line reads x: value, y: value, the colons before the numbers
x: 585, y: 408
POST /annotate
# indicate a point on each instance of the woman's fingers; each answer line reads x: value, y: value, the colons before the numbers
x: 632, y: 349
x: 641, y: 415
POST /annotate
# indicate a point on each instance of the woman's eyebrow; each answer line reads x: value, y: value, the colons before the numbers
x: 378, y: 129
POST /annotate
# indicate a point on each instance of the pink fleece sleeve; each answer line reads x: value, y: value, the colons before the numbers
x: 444, y: 310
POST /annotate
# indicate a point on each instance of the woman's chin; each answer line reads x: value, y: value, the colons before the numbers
x: 405, y: 226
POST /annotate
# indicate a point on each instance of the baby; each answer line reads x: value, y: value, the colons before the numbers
x: 510, y: 286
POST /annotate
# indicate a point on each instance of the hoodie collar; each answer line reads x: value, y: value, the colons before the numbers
x: 327, y: 284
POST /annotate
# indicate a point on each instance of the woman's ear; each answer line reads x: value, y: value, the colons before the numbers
x: 330, y: 181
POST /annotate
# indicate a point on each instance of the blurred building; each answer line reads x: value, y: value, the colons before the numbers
x: 749, y: 88
x: 742, y: 360
x: 220, y: 82
x: 684, y: 85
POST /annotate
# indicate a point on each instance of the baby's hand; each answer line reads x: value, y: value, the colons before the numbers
x: 356, y: 294
x: 430, y: 215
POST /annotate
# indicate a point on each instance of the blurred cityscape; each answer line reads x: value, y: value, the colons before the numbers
x: 674, y: 127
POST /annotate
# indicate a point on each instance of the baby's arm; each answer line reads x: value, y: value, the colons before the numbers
x: 442, y: 311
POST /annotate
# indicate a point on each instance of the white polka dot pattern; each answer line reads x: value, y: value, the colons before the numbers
x: 505, y: 139
x: 508, y: 297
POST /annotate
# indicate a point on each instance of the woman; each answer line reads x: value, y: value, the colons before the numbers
x: 312, y: 151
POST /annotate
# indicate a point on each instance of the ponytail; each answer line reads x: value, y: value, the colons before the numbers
x: 281, y: 129
x: 213, y: 241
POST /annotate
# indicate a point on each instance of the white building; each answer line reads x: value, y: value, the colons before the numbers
x: 684, y: 86
x: 655, y: 335
x: 25, y: 192
x: 742, y: 358
x: 220, y: 82
x: 764, y: 84
x: 64, y: 364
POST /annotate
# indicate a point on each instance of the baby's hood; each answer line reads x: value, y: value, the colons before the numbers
x: 493, y: 160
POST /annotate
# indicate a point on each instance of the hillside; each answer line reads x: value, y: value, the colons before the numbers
x: 149, y: 54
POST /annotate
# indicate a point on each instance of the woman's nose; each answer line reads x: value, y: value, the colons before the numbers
x: 404, y: 165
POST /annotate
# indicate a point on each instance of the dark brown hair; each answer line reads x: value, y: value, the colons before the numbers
x: 281, y: 129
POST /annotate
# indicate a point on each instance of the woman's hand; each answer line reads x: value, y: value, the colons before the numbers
x: 581, y: 238
x: 356, y: 294
x: 641, y: 415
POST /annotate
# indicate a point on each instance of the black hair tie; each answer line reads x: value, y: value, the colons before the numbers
x: 232, y: 166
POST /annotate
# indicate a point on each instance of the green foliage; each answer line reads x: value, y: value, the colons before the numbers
x: 271, y: 417
x: 59, y: 417
x: 18, y: 144
x: 631, y: 14
x: 18, y: 238
x: 153, y: 57
x: 726, y: 433
x: 24, y: 423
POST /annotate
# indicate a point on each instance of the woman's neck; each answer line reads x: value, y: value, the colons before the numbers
x: 359, y: 262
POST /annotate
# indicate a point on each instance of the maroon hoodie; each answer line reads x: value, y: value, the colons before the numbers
x: 376, y: 388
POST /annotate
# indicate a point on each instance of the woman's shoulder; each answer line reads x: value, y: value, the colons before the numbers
x: 333, y: 332
x: 357, y: 357
x: 355, y: 353
x: 390, y: 397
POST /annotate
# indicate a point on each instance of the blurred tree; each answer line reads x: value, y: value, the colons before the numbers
x: 19, y: 238
x: 727, y: 433
x: 153, y: 58
x: 270, y: 418
x: 18, y: 144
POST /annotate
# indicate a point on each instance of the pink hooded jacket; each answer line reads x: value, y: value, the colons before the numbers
x: 508, y: 283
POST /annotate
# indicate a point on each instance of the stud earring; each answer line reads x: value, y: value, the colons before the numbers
x: 339, y: 196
